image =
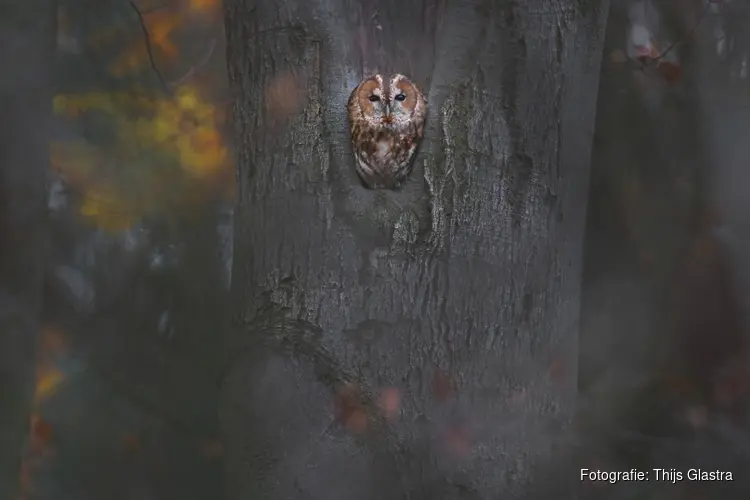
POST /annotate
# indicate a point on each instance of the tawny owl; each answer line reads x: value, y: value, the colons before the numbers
x: 386, y: 119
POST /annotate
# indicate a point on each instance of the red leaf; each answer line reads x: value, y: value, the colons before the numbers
x: 442, y: 386
x: 672, y: 73
x: 389, y: 402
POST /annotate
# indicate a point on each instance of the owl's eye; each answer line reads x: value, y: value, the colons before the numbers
x: 400, y: 97
x: 374, y: 98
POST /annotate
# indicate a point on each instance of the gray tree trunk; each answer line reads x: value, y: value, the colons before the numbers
x: 664, y: 368
x: 26, y: 49
x: 645, y: 216
x: 460, y: 292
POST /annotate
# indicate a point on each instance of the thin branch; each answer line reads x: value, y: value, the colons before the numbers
x: 147, y: 39
x: 688, y: 35
x: 643, y: 66
x: 195, y: 68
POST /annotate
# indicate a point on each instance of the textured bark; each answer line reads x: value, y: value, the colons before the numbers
x: 467, y: 278
x: 26, y: 45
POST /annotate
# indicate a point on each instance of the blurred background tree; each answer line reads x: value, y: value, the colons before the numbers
x: 137, y: 255
x: 26, y: 55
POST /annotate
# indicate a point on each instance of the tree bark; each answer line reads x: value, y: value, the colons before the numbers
x: 460, y: 292
x: 26, y: 50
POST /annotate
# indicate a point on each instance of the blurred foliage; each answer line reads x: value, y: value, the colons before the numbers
x: 137, y: 150
x: 147, y: 149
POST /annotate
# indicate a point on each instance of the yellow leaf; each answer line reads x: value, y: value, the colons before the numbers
x: 136, y: 174
x: 47, y: 383
x: 187, y: 99
x: 107, y: 211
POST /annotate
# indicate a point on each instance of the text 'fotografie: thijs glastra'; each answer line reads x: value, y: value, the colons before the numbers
x: 666, y: 475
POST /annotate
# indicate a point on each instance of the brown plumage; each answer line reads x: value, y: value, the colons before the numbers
x: 386, y: 119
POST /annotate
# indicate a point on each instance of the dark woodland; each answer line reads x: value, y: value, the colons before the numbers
x: 199, y: 299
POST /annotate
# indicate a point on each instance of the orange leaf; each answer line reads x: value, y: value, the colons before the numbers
x: 672, y: 73
x: 442, y: 386
x: 349, y: 409
x: 159, y: 25
x: 389, y: 401
x: 41, y: 433
x: 204, y: 5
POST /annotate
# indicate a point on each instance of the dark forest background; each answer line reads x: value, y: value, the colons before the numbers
x: 137, y: 250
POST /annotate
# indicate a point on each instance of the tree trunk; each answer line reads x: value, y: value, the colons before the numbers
x: 26, y: 49
x: 664, y: 368
x: 456, y: 298
x: 644, y: 221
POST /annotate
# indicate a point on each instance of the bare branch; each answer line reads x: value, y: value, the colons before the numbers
x: 147, y: 39
x: 688, y: 35
x: 191, y: 72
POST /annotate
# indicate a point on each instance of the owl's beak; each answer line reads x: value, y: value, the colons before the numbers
x: 387, y: 118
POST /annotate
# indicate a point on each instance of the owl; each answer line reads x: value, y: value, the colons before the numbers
x: 386, y: 119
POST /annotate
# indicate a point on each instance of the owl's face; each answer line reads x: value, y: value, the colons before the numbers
x: 389, y: 104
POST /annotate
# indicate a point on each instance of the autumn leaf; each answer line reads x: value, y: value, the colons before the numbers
x: 349, y: 409
x: 442, y: 387
x: 204, y: 6
x: 40, y: 433
x: 159, y: 25
x: 389, y: 402
x: 202, y: 153
x: 38, y: 452
x: 48, y: 380
x: 108, y: 211
x: 671, y: 72
x: 163, y: 151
